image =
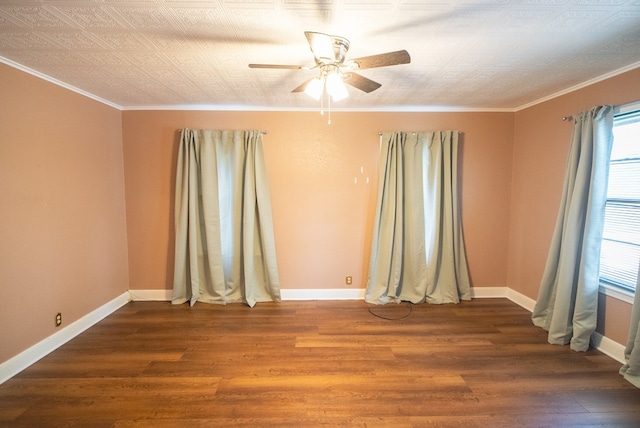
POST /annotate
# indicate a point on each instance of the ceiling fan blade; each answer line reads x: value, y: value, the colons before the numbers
x: 383, y: 60
x: 321, y: 45
x: 303, y: 86
x: 279, y: 66
x: 363, y: 83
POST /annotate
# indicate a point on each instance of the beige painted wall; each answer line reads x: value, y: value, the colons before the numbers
x: 322, y: 217
x: 62, y: 218
x: 541, y: 147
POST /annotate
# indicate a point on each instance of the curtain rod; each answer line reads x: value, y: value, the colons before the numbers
x: 265, y: 132
x: 459, y: 133
x: 617, y: 109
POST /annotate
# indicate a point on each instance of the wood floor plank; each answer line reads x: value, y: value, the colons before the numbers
x: 114, y: 386
x: 319, y: 364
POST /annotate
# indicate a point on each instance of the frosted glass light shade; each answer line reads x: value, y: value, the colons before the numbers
x: 314, y: 88
x: 336, y: 87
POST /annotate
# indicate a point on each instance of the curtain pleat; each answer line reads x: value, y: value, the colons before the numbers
x: 417, y: 252
x: 448, y: 276
x: 631, y: 369
x: 568, y: 297
x: 225, y: 249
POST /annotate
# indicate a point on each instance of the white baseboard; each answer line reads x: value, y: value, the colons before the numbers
x: 320, y: 294
x: 286, y: 294
x: 151, y: 295
x: 608, y: 347
x: 520, y: 299
x: 598, y: 341
x: 488, y: 292
x: 15, y: 365
x: 315, y: 294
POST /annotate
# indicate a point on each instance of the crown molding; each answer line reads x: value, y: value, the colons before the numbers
x: 57, y: 82
x: 581, y: 85
x: 381, y: 109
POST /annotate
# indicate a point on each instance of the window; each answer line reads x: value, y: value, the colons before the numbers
x: 620, y: 251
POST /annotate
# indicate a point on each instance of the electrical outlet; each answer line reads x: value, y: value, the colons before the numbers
x: 58, y: 319
x: 348, y: 280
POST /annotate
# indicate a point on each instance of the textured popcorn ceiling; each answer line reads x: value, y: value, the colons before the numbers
x: 466, y: 54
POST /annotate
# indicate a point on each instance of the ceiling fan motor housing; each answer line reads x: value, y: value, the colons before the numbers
x: 340, y: 48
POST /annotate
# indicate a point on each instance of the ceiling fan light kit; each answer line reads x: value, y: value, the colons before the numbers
x: 330, y: 58
x: 331, y: 83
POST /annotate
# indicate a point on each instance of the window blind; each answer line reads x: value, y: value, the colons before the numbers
x: 620, y: 251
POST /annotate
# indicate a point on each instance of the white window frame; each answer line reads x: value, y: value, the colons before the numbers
x: 607, y: 289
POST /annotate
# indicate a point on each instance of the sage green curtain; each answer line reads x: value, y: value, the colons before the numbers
x: 567, y: 301
x: 225, y: 248
x: 417, y: 252
x: 631, y: 369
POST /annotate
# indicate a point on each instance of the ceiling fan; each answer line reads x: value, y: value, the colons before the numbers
x: 334, y: 69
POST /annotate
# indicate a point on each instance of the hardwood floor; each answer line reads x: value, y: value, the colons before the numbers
x: 306, y: 364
